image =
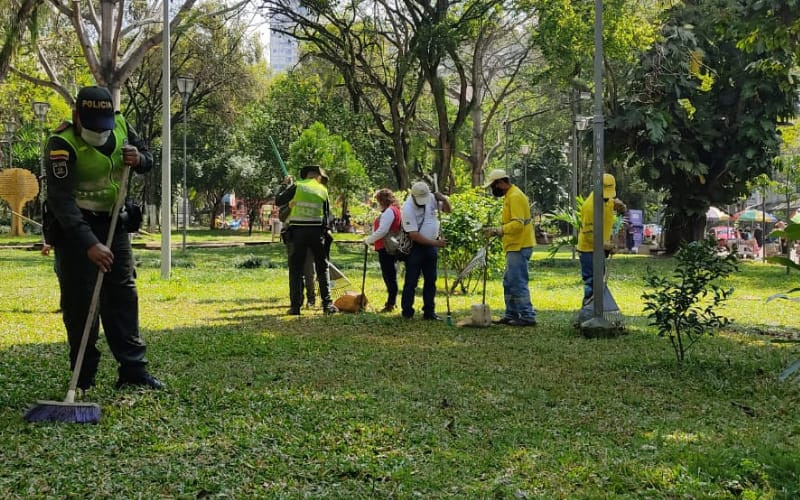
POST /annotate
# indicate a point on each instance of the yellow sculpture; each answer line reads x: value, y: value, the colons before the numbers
x: 17, y: 186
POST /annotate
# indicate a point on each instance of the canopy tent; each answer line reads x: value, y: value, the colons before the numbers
x: 714, y: 214
x: 753, y: 215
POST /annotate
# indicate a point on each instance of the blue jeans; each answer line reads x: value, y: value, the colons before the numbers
x: 515, y: 286
x: 421, y: 260
x: 587, y: 273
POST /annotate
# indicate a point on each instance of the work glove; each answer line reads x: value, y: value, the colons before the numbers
x: 610, y: 248
x: 492, y: 231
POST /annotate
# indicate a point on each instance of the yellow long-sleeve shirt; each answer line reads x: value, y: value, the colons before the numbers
x: 586, y: 234
x: 517, y: 223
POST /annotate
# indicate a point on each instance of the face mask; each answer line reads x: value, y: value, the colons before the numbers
x: 95, y: 138
x: 497, y: 192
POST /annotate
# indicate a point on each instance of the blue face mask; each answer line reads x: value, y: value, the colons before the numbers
x: 95, y: 138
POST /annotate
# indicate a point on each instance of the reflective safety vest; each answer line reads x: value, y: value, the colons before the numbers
x: 98, y: 176
x: 307, y: 206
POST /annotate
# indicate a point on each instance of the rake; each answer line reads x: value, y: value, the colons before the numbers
x: 339, y: 283
x: 611, y: 311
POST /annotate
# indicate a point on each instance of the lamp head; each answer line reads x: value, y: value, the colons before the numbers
x: 40, y: 109
x: 185, y: 85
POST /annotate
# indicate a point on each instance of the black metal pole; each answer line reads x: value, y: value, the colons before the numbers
x: 185, y: 190
x: 598, y: 261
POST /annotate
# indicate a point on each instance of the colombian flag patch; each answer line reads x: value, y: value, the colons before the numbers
x: 59, y: 154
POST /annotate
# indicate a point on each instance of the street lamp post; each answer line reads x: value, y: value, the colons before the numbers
x: 507, y: 130
x: 185, y: 89
x: 598, y: 261
x: 40, y: 110
x: 525, y: 150
x: 581, y: 123
x: 11, y: 129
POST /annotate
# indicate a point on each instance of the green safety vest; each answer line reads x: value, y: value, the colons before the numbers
x: 98, y: 176
x: 307, y: 206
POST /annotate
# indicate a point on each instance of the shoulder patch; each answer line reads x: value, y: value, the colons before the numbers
x: 60, y: 169
x: 63, y: 126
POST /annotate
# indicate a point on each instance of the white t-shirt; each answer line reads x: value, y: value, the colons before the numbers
x: 421, y: 219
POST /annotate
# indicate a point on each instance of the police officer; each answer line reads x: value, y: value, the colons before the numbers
x: 84, y: 162
x: 308, y: 230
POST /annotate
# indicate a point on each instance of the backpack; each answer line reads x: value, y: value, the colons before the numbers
x: 398, y: 243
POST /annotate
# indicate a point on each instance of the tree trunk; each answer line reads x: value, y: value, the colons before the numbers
x: 476, y: 158
x: 443, y: 156
x: 682, y: 227
x: 213, y: 223
x: 400, y: 169
x: 14, y: 33
x: 345, y: 206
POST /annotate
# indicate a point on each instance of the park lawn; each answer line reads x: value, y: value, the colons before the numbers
x: 260, y: 404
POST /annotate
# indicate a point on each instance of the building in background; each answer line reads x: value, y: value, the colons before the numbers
x: 283, y: 49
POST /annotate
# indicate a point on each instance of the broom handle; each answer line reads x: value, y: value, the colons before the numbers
x: 363, y: 300
x: 446, y: 286
x: 444, y: 254
x: 93, y: 306
x: 486, y: 258
x: 485, y: 270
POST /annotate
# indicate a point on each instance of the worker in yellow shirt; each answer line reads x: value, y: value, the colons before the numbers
x: 586, y: 235
x: 518, y: 240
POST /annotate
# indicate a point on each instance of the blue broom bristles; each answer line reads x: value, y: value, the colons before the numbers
x: 58, y: 411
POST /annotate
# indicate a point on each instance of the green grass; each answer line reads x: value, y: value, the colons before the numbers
x: 262, y: 404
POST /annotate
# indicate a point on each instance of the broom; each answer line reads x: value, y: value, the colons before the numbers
x: 362, y: 299
x: 449, y: 319
x: 68, y: 410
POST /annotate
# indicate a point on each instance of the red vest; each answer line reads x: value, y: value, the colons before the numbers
x: 392, y: 229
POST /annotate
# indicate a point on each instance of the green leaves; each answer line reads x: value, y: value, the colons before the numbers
x: 462, y: 227
x: 317, y: 146
x: 708, y: 107
x: 686, y: 306
x: 791, y: 233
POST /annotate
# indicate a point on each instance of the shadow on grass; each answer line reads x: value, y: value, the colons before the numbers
x: 322, y: 404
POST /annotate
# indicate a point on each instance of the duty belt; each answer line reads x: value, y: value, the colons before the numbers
x: 92, y: 214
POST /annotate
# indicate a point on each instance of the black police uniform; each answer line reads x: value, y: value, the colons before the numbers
x: 72, y: 231
x: 299, y: 239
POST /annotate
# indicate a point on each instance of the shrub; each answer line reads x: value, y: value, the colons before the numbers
x: 791, y: 233
x: 684, y: 307
x: 251, y: 262
x: 462, y: 227
x: 571, y: 217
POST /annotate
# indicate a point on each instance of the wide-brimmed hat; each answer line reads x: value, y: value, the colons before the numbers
x: 95, y: 108
x: 312, y: 168
x: 495, y: 175
x: 421, y: 193
x: 609, y: 186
